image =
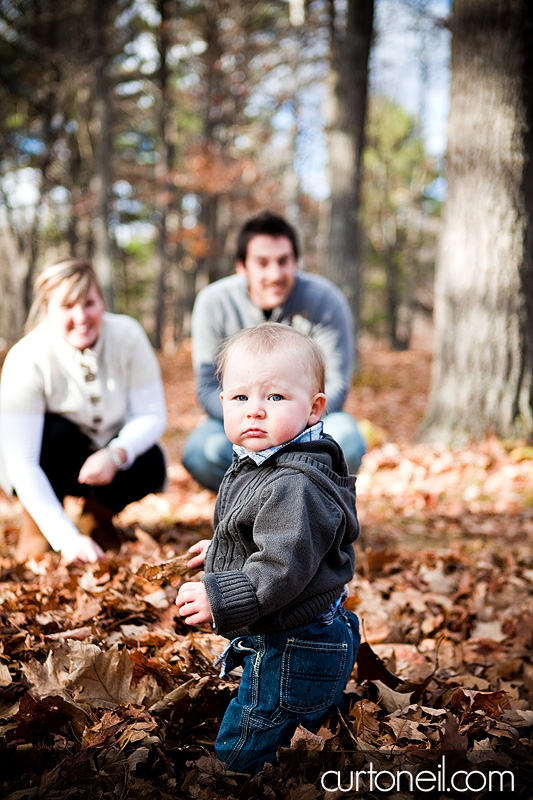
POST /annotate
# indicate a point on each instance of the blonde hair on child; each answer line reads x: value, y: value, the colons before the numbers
x: 269, y: 337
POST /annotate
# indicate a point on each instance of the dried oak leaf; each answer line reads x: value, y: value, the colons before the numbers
x: 371, y: 667
x: 5, y: 676
x: 173, y: 697
x: 123, y: 725
x: 451, y: 740
x: 73, y: 633
x: 389, y: 699
x: 166, y: 675
x: 86, y: 610
x: 51, y: 714
x: 175, y: 567
x: 365, y: 714
x: 305, y: 740
x: 491, y: 703
x: 48, y: 679
x: 87, y: 676
x: 405, y: 729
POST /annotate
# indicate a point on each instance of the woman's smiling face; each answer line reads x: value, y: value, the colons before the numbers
x: 78, y: 322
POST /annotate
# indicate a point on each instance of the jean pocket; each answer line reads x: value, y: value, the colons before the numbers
x: 312, y: 675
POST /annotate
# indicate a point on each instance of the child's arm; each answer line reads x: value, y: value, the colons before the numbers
x: 193, y: 603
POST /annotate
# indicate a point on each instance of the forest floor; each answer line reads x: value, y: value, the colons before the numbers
x: 104, y: 693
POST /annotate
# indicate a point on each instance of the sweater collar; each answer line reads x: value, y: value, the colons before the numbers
x: 311, y: 434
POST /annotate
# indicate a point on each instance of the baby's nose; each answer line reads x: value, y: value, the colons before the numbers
x: 256, y: 410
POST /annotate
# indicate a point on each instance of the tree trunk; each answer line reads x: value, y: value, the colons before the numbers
x: 186, y: 290
x: 208, y: 265
x: 483, y: 348
x: 15, y: 258
x: 101, y: 125
x: 350, y: 52
x: 163, y: 171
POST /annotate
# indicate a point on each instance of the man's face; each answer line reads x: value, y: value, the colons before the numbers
x: 270, y: 269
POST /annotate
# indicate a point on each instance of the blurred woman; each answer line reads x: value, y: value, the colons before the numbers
x: 81, y: 409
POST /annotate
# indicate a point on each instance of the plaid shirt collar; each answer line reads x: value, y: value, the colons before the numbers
x: 311, y: 434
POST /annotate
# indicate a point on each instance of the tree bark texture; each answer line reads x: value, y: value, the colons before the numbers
x: 350, y: 53
x: 101, y: 125
x: 483, y: 346
x: 163, y: 170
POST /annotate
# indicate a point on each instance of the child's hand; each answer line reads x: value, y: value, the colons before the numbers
x: 193, y: 603
x: 200, y: 548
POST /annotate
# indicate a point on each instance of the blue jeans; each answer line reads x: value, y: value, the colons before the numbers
x: 344, y: 429
x: 289, y: 678
x: 207, y: 452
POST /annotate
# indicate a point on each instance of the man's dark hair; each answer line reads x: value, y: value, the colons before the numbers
x: 265, y: 224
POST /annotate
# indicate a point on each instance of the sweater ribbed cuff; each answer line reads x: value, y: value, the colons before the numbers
x: 232, y: 599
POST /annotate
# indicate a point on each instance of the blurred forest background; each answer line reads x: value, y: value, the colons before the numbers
x: 142, y: 133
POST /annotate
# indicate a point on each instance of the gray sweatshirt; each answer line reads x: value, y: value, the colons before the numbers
x: 282, y: 551
x: 315, y: 307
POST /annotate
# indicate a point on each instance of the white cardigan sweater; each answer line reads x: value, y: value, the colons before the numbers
x: 112, y: 391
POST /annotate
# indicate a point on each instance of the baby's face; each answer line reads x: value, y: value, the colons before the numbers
x: 267, y: 402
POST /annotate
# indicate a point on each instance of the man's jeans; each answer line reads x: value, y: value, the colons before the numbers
x: 207, y: 452
x: 289, y: 678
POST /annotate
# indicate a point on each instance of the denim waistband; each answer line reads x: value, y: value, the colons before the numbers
x: 328, y: 615
x: 231, y: 657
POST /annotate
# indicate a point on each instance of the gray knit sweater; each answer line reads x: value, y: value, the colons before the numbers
x: 282, y: 549
x: 315, y: 307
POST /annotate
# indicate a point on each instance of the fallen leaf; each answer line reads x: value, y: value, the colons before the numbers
x: 303, y: 739
x: 451, y: 740
x: 405, y: 729
x: 167, y: 569
x: 389, y: 699
x: 73, y: 633
x: 5, y: 676
x: 370, y: 667
x: 172, y: 698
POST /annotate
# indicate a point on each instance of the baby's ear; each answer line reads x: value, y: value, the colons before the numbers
x: 221, y: 395
x: 318, y: 407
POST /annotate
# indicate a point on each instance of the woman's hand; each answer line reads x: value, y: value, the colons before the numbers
x: 200, y: 548
x: 193, y: 603
x: 99, y: 469
x: 81, y: 550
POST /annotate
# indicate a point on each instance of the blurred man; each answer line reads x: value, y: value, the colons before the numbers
x: 268, y: 285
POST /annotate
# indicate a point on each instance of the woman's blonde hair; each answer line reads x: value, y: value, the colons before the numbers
x: 75, y: 275
x: 269, y: 337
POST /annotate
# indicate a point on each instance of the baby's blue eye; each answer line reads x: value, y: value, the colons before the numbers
x: 241, y: 397
x: 276, y: 397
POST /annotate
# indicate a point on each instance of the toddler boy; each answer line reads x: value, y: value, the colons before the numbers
x: 282, y: 554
